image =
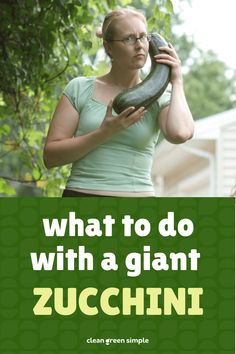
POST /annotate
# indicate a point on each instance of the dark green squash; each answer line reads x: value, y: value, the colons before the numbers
x: 152, y: 87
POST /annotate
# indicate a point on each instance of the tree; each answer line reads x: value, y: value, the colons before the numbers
x: 209, y: 84
x: 210, y: 87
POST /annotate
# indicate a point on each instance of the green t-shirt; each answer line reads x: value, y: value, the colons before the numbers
x: 123, y: 163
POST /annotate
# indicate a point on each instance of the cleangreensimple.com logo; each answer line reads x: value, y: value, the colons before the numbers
x: 108, y: 341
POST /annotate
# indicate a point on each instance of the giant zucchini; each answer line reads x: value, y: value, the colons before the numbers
x: 152, y: 87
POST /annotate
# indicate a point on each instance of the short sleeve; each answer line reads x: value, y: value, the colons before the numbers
x: 164, y: 100
x: 71, y: 91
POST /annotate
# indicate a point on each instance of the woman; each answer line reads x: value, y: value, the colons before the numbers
x: 112, y: 154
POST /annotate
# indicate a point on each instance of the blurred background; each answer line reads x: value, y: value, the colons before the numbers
x: 46, y: 43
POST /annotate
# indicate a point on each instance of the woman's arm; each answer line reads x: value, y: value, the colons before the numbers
x: 62, y: 147
x: 175, y: 120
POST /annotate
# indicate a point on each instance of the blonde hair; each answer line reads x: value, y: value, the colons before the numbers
x: 108, y: 28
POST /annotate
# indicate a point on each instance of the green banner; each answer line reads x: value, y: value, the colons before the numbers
x: 117, y: 275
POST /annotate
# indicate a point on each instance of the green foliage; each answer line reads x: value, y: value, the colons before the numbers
x: 209, y: 86
x: 158, y: 14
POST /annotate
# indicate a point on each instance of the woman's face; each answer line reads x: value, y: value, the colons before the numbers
x: 131, y: 57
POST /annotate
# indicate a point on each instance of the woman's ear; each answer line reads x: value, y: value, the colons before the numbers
x: 107, y: 48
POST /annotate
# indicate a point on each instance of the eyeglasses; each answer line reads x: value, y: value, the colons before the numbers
x: 132, y: 40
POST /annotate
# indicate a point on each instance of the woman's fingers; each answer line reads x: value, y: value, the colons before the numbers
x: 126, y: 112
x: 169, y: 49
x: 135, y: 116
x: 129, y: 116
x: 123, y: 120
x: 164, y: 54
x: 167, y: 59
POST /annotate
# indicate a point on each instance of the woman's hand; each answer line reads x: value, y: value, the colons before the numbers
x: 113, y: 124
x: 169, y: 57
x: 62, y: 147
